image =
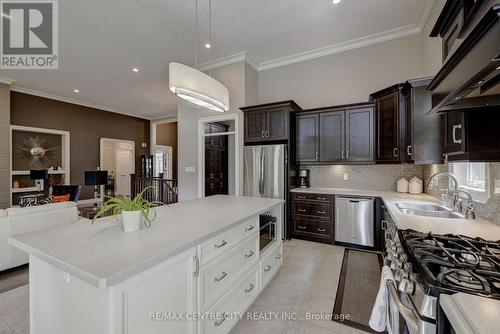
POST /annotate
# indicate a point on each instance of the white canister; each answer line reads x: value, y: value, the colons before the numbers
x: 402, y: 186
x: 131, y: 221
x: 416, y: 186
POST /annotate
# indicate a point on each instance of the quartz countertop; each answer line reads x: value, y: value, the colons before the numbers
x: 103, y: 255
x: 470, y: 314
x: 474, y: 228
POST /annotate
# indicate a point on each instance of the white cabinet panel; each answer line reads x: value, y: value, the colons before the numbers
x: 271, y: 263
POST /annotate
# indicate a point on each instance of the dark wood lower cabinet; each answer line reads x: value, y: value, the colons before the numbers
x: 313, y: 217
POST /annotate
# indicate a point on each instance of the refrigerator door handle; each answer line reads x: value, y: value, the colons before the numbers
x: 261, y: 174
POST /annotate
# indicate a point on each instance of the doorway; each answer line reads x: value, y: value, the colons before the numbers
x: 164, y: 136
x: 219, y: 155
x: 163, y: 156
x: 118, y: 158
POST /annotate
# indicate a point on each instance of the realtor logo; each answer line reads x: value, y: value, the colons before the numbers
x: 29, y: 34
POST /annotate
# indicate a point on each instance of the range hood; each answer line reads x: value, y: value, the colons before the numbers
x: 470, y: 76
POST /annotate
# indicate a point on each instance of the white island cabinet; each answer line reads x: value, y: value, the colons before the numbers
x: 194, y: 271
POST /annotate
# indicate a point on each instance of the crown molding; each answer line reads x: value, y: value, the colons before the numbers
x: 342, y: 47
x: 7, y: 81
x: 425, y: 14
x: 228, y: 60
x: 28, y: 91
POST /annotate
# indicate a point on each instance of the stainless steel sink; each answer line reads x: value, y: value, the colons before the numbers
x: 427, y: 210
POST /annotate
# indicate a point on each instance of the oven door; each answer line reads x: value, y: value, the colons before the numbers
x: 402, y: 317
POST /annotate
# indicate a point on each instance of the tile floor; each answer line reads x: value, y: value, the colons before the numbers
x: 307, y: 281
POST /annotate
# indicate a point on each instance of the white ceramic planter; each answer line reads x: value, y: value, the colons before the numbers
x: 131, y: 221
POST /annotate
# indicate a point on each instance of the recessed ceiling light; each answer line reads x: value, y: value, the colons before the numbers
x: 135, y: 69
x: 335, y: 2
x: 208, y: 45
x: 76, y: 90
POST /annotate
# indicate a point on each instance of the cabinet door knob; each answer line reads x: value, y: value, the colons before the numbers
x: 321, y: 198
x: 321, y: 230
x: 278, y: 256
x: 408, y: 150
x: 249, y: 228
x: 221, y: 320
x: 395, y: 152
x: 454, y: 133
x: 301, y: 197
x: 347, y: 153
x: 263, y: 134
x: 320, y: 212
x: 301, y: 227
x: 317, y: 155
x: 250, y: 254
x: 268, y: 268
x: 342, y: 154
x: 302, y: 210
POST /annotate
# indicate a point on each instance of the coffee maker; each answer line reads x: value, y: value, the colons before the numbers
x: 303, y: 178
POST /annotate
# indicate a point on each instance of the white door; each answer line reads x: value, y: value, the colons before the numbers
x: 163, y: 161
x: 124, y: 167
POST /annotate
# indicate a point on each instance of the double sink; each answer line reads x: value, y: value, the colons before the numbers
x: 427, y: 209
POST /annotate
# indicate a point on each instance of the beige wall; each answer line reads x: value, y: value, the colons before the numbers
x: 345, y: 77
x: 4, y: 146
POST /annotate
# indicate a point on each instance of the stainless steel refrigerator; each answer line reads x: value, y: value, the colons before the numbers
x: 265, y: 174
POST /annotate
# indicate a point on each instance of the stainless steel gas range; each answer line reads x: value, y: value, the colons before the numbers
x: 427, y: 265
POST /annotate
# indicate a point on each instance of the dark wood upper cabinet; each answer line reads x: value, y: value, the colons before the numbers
x: 359, y: 142
x: 268, y: 122
x: 389, y: 124
x: 423, y: 136
x: 332, y: 136
x: 472, y: 135
x: 336, y: 135
x: 307, y: 138
x: 216, y: 160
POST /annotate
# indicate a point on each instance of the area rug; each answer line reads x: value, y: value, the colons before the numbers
x: 357, y: 289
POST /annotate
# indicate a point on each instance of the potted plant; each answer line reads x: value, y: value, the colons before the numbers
x: 133, y: 211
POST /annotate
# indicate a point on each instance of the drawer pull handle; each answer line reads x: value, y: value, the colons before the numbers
x: 222, y: 244
x: 249, y: 228
x: 321, y: 230
x: 320, y: 212
x: 302, y: 210
x: 278, y: 256
x: 268, y: 268
x: 301, y: 197
x: 321, y: 198
x: 219, y: 322
x: 250, y: 254
x: 250, y: 288
x: 301, y: 227
x: 220, y: 277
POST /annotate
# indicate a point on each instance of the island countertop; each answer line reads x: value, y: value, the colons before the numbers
x: 103, y: 255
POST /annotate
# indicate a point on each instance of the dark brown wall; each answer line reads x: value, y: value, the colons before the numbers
x: 86, y: 125
x: 166, y: 134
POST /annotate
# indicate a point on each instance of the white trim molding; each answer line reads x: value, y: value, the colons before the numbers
x: 341, y: 47
x: 228, y: 60
x: 28, y: 91
x: 7, y: 81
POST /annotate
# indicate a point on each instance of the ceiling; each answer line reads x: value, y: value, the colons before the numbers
x: 101, y: 41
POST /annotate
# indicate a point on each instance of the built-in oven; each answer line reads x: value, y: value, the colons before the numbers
x: 267, y: 225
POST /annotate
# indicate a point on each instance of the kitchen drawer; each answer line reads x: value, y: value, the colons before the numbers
x: 318, y: 210
x: 236, y: 300
x: 313, y: 197
x: 270, y: 264
x: 318, y: 229
x: 216, y: 277
x: 217, y: 245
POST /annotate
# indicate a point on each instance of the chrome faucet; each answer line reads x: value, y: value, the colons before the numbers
x: 457, y: 203
x: 433, y: 180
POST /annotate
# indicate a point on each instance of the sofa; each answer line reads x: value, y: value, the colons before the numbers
x: 22, y: 220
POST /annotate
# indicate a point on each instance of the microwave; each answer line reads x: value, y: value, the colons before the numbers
x: 267, y: 225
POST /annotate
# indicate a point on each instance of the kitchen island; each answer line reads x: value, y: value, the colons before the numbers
x: 199, y: 261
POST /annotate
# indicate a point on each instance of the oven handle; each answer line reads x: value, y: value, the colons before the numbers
x: 411, y: 316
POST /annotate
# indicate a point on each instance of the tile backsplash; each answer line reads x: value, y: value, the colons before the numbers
x: 373, y: 177
x: 489, y: 210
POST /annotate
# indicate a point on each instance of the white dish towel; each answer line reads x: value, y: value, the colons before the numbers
x: 378, y: 317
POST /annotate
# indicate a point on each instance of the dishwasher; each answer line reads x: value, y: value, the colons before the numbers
x: 354, y: 220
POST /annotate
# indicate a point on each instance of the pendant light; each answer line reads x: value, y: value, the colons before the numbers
x: 195, y: 86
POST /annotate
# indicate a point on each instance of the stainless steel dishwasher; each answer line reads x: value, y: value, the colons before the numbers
x: 354, y: 220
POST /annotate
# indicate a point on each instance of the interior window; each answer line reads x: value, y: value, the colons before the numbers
x: 472, y: 177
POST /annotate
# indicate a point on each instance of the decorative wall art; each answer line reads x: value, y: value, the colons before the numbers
x: 32, y: 150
